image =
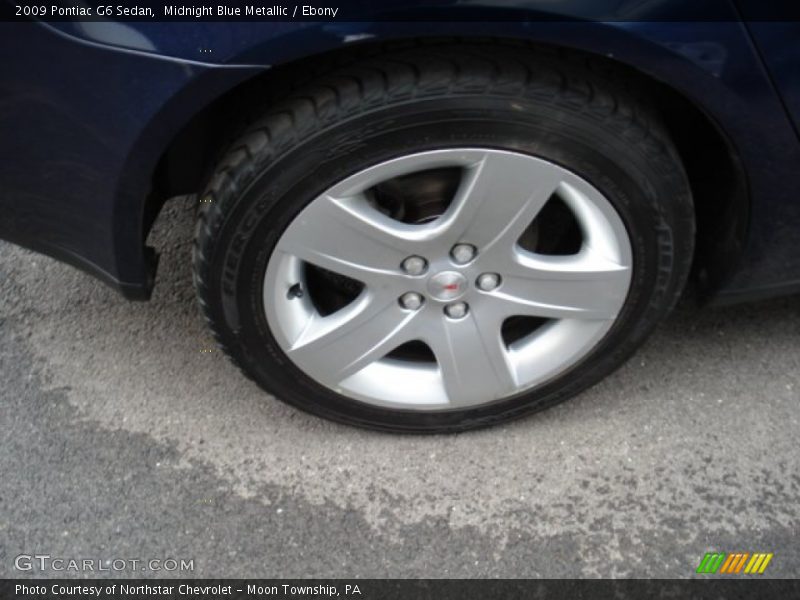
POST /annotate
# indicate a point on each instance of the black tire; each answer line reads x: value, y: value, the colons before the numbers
x: 381, y: 107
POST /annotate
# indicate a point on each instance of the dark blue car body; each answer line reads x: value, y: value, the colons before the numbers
x: 101, y: 121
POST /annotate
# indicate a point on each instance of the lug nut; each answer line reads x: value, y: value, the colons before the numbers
x: 411, y: 300
x: 463, y: 253
x: 414, y: 265
x: 456, y: 310
x: 488, y: 281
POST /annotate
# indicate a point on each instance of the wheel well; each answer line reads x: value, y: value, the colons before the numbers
x: 716, y: 176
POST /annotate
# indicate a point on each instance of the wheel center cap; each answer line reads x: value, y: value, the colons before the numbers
x: 447, y: 285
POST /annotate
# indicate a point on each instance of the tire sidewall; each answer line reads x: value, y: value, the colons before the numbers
x: 649, y: 195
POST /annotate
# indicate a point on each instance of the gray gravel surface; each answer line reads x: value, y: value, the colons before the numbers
x: 125, y: 437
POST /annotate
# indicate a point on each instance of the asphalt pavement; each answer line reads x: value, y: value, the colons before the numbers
x: 126, y: 435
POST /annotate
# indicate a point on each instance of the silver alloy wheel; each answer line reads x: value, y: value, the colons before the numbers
x: 499, y: 196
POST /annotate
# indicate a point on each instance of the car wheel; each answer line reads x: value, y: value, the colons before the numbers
x: 443, y: 238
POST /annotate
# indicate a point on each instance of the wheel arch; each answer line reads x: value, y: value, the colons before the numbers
x: 716, y: 173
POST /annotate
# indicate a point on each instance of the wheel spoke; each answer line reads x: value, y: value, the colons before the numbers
x: 563, y: 287
x: 337, y: 345
x: 343, y: 236
x: 498, y: 198
x: 472, y: 359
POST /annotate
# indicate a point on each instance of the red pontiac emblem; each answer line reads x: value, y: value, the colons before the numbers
x: 447, y: 285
